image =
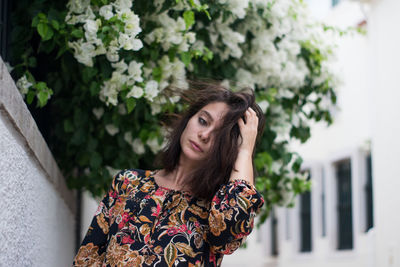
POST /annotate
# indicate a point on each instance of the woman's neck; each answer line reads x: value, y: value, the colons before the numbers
x: 177, y: 178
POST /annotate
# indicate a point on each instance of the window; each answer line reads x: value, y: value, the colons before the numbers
x: 305, y: 221
x: 287, y: 224
x: 274, y: 234
x: 344, y: 204
x: 335, y: 2
x: 323, y: 203
x: 368, y: 194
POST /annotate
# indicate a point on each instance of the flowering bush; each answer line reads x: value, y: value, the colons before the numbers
x: 109, y: 64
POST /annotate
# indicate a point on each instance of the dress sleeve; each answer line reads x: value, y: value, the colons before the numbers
x: 94, y: 245
x: 232, y: 213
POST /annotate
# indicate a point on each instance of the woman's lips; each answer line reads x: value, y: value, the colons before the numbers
x: 196, y: 146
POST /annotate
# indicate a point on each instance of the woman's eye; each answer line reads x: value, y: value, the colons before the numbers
x: 202, y: 121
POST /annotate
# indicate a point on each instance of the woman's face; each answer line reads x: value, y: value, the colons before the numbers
x: 197, y: 138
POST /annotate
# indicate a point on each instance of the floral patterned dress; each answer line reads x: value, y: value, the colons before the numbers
x: 139, y: 223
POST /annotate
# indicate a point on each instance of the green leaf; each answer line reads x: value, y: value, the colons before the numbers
x: 297, y: 164
x: 68, y: 126
x: 186, y: 58
x: 42, y: 17
x: 55, y: 24
x: 188, y: 17
x: 30, y: 96
x: 43, y: 96
x: 61, y: 51
x: 88, y: 73
x: 32, y: 62
x: 78, y: 137
x: 45, y: 31
x: 157, y: 74
x: 78, y: 33
x: 95, y: 160
x: 92, y: 144
x: 40, y: 86
x: 35, y: 21
x: 130, y: 104
x: 94, y: 88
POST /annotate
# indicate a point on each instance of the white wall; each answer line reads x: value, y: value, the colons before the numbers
x: 89, y: 206
x: 385, y: 38
x: 37, y: 211
x: 348, y: 137
x: 36, y: 226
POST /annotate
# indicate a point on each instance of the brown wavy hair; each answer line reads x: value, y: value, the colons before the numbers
x: 215, y: 170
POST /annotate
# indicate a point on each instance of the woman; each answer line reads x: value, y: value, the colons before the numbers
x: 200, y: 206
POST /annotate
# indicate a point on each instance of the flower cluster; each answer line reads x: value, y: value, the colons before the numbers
x: 263, y: 40
x: 130, y: 53
x: 115, y: 20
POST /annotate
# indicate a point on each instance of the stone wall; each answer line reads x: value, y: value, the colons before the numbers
x: 37, y: 210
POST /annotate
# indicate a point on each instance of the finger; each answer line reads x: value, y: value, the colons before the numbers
x: 251, y: 115
x: 241, y: 123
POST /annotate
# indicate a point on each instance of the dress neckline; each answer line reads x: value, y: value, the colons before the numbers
x: 183, y: 192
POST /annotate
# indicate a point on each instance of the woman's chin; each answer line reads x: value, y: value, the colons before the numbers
x: 192, y: 155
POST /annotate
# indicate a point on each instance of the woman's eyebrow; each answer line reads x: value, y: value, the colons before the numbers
x: 207, y: 114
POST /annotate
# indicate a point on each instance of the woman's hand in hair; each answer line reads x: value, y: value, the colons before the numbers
x: 248, y: 131
x: 243, y: 168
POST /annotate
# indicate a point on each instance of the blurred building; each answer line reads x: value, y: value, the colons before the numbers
x: 351, y: 217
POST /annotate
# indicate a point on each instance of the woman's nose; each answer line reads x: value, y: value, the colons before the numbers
x: 204, y: 136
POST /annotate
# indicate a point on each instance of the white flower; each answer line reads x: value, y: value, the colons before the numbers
x: 135, y: 71
x: 112, y: 54
x: 138, y: 146
x: 120, y: 66
x: 156, y: 35
x: 263, y: 105
x: 276, y: 166
x: 74, y: 19
x: 78, y: 6
x: 190, y: 37
x: 128, y: 137
x: 151, y: 90
x: 135, y: 92
x: 154, y: 145
x: 155, y: 108
x: 295, y: 120
x: 121, y: 109
x: 245, y: 77
x: 237, y: 7
x: 106, y: 12
x: 112, y: 129
x: 83, y: 52
x: 112, y: 171
x: 129, y: 43
x: 109, y: 92
x: 91, y: 26
x: 123, y: 4
x: 118, y: 78
x: 174, y: 99
x: 230, y: 39
x: 285, y: 93
x: 225, y: 83
x: 132, y: 24
x: 98, y: 112
x: 23, y: 85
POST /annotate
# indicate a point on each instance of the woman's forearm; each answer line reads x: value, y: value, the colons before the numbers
x: 243, y: 168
